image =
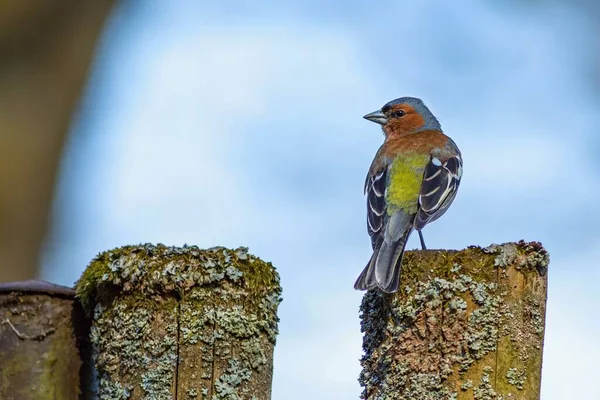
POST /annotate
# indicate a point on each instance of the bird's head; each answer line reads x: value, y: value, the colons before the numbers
x: 404, y: 116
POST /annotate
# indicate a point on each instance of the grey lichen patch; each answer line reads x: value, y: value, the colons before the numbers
x: 466, y: 385
x: 535, y: 310
x: 516, y: 377
x: 228, y: 337
x: 229, y: 383
x: 135, y: 338
x: 114, y: 390
x: 485, y: 390
x: 209, y: 316
x: 520, y: 255
x: 460, y: 317
x: 506, y: 254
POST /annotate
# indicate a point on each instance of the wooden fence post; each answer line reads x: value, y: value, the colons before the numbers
x: 181, y: 323
x: 42, y: 342
x: 465, y: 325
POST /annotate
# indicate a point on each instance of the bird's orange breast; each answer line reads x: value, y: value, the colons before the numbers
x: 421, y: 142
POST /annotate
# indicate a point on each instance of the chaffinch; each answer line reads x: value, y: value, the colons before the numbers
x: 412, y: 182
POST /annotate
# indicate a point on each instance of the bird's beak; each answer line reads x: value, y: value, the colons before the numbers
x: 377, y: 116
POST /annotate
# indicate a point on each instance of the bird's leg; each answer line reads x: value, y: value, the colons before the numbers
x: 423, y: 247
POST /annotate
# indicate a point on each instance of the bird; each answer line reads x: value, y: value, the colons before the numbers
x: 412, y: 181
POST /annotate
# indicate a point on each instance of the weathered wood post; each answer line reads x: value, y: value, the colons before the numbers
x: 42, y: 342
x: 181, y: 323
x: 465, y: 325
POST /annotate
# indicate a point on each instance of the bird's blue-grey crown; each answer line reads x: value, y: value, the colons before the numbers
x: 431, y: 122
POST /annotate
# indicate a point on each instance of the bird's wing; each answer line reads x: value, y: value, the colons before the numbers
x: 440, y: 184
x: 389, y: 233
x: 375, y: 185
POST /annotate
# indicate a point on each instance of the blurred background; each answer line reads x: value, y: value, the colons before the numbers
x: 234, y: 123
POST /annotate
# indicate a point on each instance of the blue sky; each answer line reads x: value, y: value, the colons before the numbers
x: 234, y: 124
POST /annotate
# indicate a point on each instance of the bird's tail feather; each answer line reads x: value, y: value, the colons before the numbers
x: 366, y: 279
x: 383, y: 269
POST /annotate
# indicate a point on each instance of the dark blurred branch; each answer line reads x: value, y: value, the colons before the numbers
x: 46, y: 48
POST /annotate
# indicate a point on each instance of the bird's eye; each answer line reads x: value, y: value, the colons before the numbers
x: 399, y: 114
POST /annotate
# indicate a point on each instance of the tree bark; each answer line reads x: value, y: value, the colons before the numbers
x: 181, y: 323
x: 46, y: 48
x: 42, y: 342
x: 464, y: 325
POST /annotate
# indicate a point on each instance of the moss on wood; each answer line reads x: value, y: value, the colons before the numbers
x: 464, y: 325
x: 182, y: 323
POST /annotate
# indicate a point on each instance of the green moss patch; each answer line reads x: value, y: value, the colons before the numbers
x: 150, y: 269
